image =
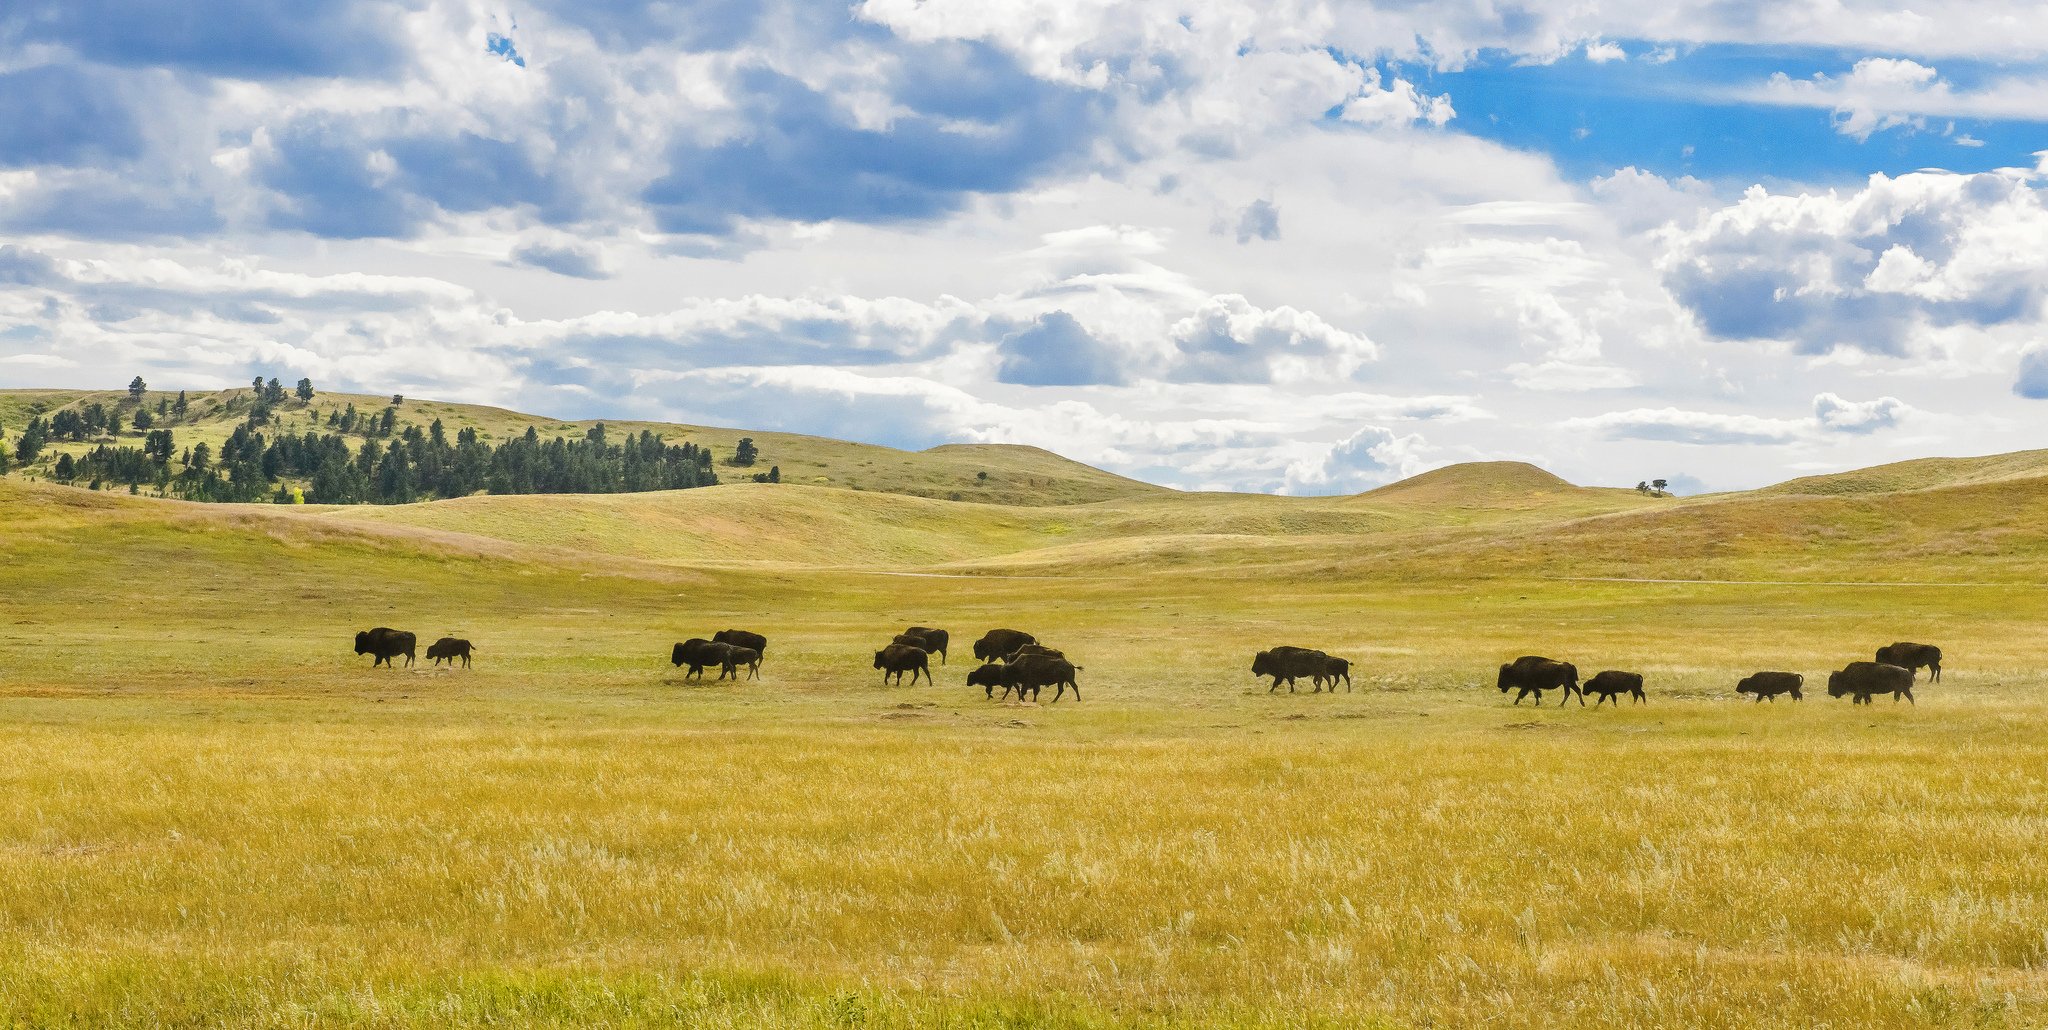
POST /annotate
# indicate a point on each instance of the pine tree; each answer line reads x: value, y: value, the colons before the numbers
x: 136, y: 388
x: 66, y: 470
x: 182, y: 405
x: 306, y: 389
x: 746, y: 453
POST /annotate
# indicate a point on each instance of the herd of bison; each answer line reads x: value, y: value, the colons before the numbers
x: 1015, y: 661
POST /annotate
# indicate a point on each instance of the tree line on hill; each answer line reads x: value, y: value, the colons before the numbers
x: 391, y: 465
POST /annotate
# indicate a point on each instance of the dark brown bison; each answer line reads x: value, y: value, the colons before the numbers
x: 1859, y: 680
x: 385, y: 644
x: 741, y: 638
x: 450, y: 648
x: 1532, y: 674
x: 748, y: 657
x: 1610, y: 685
x: 1913, y: 656
x: 1032, y: 671
x: 697, y: 653
x: 990, y: 676
x: 935, y: 640
x: 1771, y: 684
x: 1287, y: 664
x: 1333, y: 670
x: 999, y: 642
x: 897, y: 659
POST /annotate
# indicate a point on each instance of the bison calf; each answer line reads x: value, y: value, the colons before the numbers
x: 897, y: 659
x: 450, y: 648
x: 1771, y: 684
x: 1610, y: 685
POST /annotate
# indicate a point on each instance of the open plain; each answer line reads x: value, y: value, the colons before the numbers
x: 212, y: 813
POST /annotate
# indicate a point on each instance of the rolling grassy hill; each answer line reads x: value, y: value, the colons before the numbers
x: 213, y: 814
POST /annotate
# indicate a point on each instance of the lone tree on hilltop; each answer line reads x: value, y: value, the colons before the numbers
x: 305, y: 389
x: 136, y: 388
x: 1657, y: 485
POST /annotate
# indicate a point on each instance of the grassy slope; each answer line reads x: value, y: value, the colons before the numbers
x: 212, y: 814
x: 1016, y: 475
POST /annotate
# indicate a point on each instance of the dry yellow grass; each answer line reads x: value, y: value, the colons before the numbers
x: 211, y: 814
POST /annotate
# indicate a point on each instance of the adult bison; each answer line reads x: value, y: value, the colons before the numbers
x: 1287, y: 664
x: 1032, y: 649
x: 1771, y: 684
x: 897, y: 659
x: 1533, y: 674
x: 449, y: 649
x: 1032, y: 671
x: 385, y: 644
x: 1859, y: 680
x: 1611, y: 684
x: 999, y: 642
x: 1912, y: 657
x: 698, y: 653
x: 741, y: 638
x: 935, y: 640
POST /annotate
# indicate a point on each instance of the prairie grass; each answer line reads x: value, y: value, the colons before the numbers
x: 212, y: 814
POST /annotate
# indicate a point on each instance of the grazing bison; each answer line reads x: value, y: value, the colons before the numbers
x: 1033, y: 671
x: 935, y: 640
x: 698, y: 652
x: 1860, y: 680
x: 450, y: 648
x: 1610, y: 685
x: 741, y: 638
x: 989, y: 677
x: 998, y: 642
x: 897, y: 659
x: 1531, y: 674
x: 1287, y: 664
x: 1333, y: 670
x: 1912, y: 657
x: 748, y: 657
x: 1771, y: 684
x: 386, y: 644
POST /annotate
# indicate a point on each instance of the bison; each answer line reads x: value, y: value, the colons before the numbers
x: 698, y: 652
x: 1610, y: 685
x: 385, y: 644
x: 1860, y: 680
x: 1532, y: 674
x: 989, y: 677
x: 1334, y: 669
x: 1771, y: 684
x: 897, y: 659
x: 741, y: 638
x: 935, y: 640
x: 450, y: 648
x: 1033, y: 671
x: 746, y: 656
x: 1031, y: 649
x: 999, y: 642
x: 1912, y: 657
x: 1286, y: 664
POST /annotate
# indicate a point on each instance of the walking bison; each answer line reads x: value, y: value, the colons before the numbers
x: 1611, y: 684
x: 999, y: 642
x: 449, y: 649
x: 384, y: 644
x: 746, y: 656
x: 1912, y: 657
x: 935, y: 640
x: 699, y: 653
x: 1287, y: 664
x: 1770, y: 684
x: 1533, y: 674
x: 741, y: 638
x: 1859, y: 681
x: 897, y: 659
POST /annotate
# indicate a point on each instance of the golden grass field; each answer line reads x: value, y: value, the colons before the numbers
x: 213, y: 814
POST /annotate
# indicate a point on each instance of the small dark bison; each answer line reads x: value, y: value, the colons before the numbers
x: 1032, y: 671
x: 935, y: 640
x: 748, y: 657
x: 1333, y: 670
x: 990, y: 676
x: 1287, y: 664
x: 999, y: 642
x: 450, y: 648
x: 1860, y: 680
x: 1610, y: 685
x: 1771, y: 684
x: 698, y: 653
x: 1533, y: 674
x: 385, y: 644
x: 741, y: 638
x: 897, y: 659
x: 1913, y: 656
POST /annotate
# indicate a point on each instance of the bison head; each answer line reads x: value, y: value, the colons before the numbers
x: 1747, y: 686
x: 675, y: 657
x: 1262, y: 663
x: 363, y: 642
x: 1507, y: 673
x: 1837, y: 685
x: 878, y: 659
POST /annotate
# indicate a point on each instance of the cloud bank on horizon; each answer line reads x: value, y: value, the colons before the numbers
x: 1244, y: 244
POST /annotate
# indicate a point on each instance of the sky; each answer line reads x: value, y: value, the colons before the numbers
x: 1271, y: 245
